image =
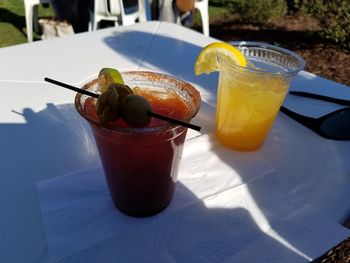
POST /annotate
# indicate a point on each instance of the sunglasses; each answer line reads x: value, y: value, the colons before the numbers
x: 334, y: 125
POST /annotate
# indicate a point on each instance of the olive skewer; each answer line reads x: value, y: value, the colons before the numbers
x: 127, y: 100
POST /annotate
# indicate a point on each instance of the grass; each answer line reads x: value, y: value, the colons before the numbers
x: 13, y: 27
x: 12, y: 22
x: 214, y: 11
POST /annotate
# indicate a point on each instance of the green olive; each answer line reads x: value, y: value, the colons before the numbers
x: 113, y: 98
x: 122, y: 89
x: 134, y: 110
x: 108, y: 114
x: 101, y: 102
x: 107, y: 106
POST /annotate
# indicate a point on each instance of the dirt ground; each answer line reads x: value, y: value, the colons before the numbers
x: 299, y: 34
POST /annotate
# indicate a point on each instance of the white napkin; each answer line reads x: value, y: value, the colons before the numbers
x: 228, y: 206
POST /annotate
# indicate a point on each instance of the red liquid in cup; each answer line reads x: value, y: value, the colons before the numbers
x: 141, y: 164
x: 141, y: 168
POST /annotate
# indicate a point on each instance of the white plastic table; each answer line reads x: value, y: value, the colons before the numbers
x: 42, y: 137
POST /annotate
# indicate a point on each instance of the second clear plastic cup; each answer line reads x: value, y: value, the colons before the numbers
x: 249, y: 98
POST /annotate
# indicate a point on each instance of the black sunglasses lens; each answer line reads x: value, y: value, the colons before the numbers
x: 337, y: 126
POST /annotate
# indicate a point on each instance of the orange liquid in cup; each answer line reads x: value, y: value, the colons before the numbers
x: 246, y: 110
x: 250, y: 97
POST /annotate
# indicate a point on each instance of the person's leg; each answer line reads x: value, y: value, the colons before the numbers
x: 82, y: 15
x: 167, y: 11
x: 154, y: 9
x: 67, y: 10
x: 76, y: 12
x: 176, y: 11
x: 57, y: 7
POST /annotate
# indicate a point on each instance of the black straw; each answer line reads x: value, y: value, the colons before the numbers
x: 67, y: 86
x: 151, y: 113
x: 174, y: 121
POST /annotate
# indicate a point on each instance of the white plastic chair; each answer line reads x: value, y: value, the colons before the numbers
x: 203, y: 8
x: 117, y: 13
x: 32, y: 16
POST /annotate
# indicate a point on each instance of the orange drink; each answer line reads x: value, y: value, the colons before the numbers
x: 246, y: 109
x: 250, y: 97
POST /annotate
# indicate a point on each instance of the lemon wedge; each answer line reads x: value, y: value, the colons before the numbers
x: 108, y: 76
x: 207, y: 61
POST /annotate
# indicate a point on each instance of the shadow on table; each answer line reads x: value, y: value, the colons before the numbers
x: 47, y: 139
x: 175, y: 59
x: 54, y: 136
x: 57, y: 141
x: 48, y: 143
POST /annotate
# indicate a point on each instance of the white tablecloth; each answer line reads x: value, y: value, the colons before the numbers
x: 294, y: 189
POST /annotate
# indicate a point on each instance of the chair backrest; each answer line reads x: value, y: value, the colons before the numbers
x: 118, y: 7
x: 115, y: 7
x: 107, y: 7
x: 126, y: 6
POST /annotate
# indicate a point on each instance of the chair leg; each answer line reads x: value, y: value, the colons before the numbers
x: 129, y: 19
x: 204, y: 12
x: 91, y: 20
x: 35, y: 19
x: 205, y: 22
x: 95, y: 24
x: 29, y: 22
x: 143, y: 10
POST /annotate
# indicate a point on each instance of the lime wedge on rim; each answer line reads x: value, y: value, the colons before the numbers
x: 108, y: 76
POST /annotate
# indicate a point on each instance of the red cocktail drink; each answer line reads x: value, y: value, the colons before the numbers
x: 141, y: 164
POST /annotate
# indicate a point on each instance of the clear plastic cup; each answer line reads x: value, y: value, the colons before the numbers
x: 141, y: 164
x: 249, y: 98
